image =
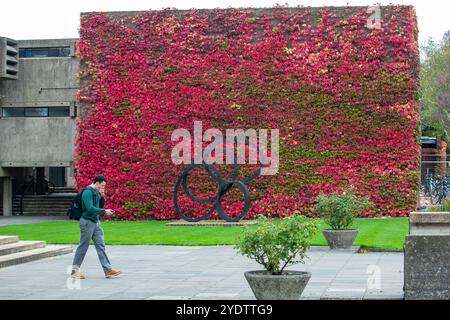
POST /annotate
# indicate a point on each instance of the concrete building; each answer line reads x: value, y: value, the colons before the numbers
x: 434, y: 157
x: 38, y: 82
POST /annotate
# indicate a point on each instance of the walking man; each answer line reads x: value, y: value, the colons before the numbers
x: 93, y: 201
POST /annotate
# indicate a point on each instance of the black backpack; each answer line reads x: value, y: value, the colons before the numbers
x: 76, y: 207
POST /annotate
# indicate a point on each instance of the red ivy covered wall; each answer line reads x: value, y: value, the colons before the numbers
x: 344, y: 97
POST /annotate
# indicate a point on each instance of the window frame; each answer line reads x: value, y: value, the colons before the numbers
x: 49, y: 114
x: 67, y: 52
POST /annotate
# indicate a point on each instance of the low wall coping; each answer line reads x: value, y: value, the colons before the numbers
x: 429, y: 217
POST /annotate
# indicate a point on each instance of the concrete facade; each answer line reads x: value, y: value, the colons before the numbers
x: 27, y: 143
x: 9, y: 58
x: 42, y: 80
x: 7, y: 196
x: 39, y: 142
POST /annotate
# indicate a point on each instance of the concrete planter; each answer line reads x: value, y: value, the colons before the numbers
x: 287, y: 286
x: 340, y: 239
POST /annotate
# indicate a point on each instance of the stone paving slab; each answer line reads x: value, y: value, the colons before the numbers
x: 200, y: 272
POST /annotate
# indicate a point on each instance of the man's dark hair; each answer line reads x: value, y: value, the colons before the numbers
x: 99, y: 178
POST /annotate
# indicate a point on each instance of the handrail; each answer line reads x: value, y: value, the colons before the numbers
x: 32, y: 183
x: 24, y: 187
x: 50, y: 186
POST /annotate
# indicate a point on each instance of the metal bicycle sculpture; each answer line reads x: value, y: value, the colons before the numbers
x: 224, y: 186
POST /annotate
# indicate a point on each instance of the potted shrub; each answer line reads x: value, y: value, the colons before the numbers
x: 338, y: 211
x: 276, y: 244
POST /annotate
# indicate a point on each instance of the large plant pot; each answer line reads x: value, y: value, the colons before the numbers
x: 287, y: 286
x: 340, y: 239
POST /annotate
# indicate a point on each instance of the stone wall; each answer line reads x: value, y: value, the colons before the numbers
x: 427, y: 256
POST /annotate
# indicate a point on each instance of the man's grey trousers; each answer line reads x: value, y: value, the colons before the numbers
x: 91, y: 230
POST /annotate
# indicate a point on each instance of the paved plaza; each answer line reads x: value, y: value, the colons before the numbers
x: 200, y: 272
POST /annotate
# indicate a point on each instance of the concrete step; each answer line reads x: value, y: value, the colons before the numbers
x: 42, y: 203
x: 8, y: 239
x: 43, y: 213
x: 63, y: 190
x: 52, y: 204
x: 55, y: 200
x: 36, y: 206
x: 40, y: 206
x: 46, y: 196
x: 42, y: 210
x: 20, y: 246
x: 48, y: 200
x: 45, y: 203
x: 32, y: 255
x: 30, y: 201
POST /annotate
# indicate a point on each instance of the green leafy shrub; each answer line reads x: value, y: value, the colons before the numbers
x: 275, y: 244
x: 437, y: 208
x: 444, y: 207
x: 339, y: 210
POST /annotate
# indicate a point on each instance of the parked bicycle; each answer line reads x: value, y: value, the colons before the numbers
x: 435, y: 187
x: 440, y: 188
x: 426, y: 187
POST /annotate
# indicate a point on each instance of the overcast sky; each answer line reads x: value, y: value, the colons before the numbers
x: 46, y: 19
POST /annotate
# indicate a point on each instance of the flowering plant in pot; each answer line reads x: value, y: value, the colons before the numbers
x: 338, y: 211
x: 276, y: 244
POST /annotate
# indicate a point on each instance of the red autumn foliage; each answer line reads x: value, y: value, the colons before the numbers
x: 343, y: 96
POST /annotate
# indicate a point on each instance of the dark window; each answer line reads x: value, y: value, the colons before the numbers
x: 10, y: 112
x: 36, y: 112
x: 59, y: 112
x: 13, y: 112
x: 44, y: 52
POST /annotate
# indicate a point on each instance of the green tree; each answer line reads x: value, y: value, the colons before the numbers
x: 435, y: 88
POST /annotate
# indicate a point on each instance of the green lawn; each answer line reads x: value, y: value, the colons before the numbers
x: 387, y: 234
